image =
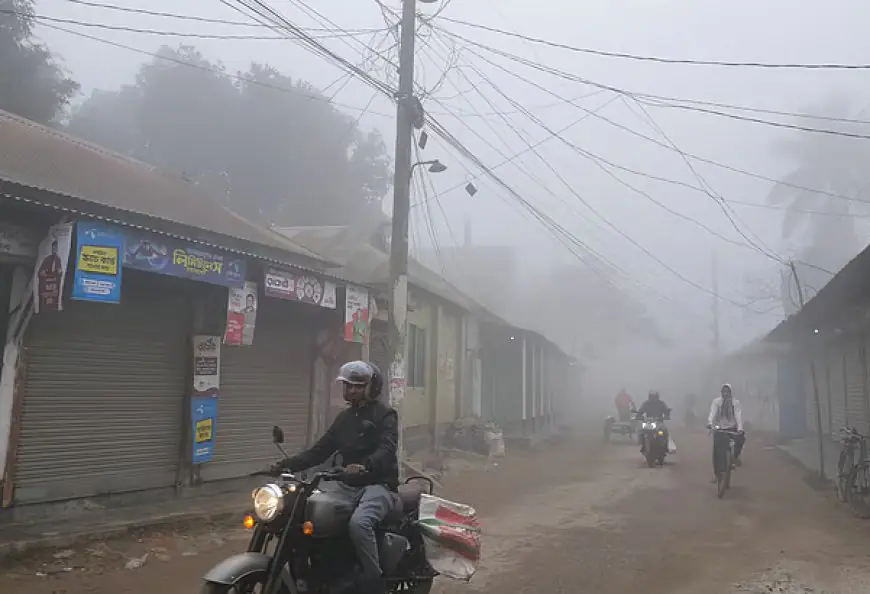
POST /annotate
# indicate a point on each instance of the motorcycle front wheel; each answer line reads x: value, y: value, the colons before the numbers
x: 250, y: 584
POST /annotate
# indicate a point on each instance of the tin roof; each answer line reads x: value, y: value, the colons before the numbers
x: 41, y: 158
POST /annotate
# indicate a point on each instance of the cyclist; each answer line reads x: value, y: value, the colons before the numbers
x: 725, y: 412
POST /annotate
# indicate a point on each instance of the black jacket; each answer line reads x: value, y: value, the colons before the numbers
x: 653, y: 408
x: 366, y: 435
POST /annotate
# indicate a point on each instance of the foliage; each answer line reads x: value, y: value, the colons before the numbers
x: 32, y: 83
x: 287, y: 158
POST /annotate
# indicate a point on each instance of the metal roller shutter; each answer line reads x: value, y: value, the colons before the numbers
x: 824, y: 401
x: 836, y: 380
x: 103, y: 394
x: 265, y: 384
x: 857, y: 404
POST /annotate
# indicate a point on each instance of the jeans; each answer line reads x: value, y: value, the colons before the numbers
x: 375, y: 502
x: 720, y: 443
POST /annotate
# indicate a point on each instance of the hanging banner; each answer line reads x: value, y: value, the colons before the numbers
x: 51, y: 262
x: 19, y: 241
x: 294, y: 287
x: 356, y: 314
x: 98, y: 262
x: 241, y: 315
x: 203, y: 402
x: 174, y: 257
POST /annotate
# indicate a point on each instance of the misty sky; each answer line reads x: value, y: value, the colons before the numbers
x: 771, y: 31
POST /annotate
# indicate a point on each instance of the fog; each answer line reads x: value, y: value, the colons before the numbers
x: 632, y: 292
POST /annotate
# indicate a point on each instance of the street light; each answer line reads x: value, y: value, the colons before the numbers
x: 435, y: 166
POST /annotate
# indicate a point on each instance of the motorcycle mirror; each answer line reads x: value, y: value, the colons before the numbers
x: 277, y: 435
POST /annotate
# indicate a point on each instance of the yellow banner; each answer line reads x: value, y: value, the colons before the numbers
x: 204, y: 430
x: 98, y: 259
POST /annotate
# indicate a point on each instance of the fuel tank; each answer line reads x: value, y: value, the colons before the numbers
x: 329, y: 513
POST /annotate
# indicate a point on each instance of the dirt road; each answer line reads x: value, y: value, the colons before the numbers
x: 579, y: 517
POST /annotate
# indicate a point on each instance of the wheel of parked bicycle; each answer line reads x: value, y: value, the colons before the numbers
x: 858, y: 490
x: 844, y: 468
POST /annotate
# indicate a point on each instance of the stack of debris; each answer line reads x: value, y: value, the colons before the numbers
x: 473, y: 434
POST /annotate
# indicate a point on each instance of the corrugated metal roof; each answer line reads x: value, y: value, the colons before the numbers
x: 42, y: 158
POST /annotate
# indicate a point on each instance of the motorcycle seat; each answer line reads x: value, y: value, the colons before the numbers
x: 409, y: 494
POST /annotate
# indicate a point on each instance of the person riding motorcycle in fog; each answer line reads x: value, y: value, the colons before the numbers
x: 654, y: 406
x: 725, y: 412
x: 624, y: 405
x: 366, y: 436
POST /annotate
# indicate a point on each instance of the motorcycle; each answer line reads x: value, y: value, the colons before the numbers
x: 300, y: 543
x: 654, y: 435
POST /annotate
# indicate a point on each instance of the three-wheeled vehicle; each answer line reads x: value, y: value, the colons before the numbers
x: 612, y: 425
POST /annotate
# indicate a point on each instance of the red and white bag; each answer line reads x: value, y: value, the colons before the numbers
x: 451, y: 536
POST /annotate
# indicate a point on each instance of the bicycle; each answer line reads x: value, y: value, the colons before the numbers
x: 723, y: 477
x: 853, y: 472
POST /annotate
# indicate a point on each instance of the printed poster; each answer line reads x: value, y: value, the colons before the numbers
x: 356, y: 314
x: 204, y: 400
x: 175, y: 257
x: 51, y: 262
x: 241, y: 315
x: 295, y: 287
x: 99, y: 248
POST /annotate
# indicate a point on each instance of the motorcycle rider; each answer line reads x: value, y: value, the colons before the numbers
x: 366, y: 436
x: 725, y: 412
x: 624, y: 404
x: 653, y: 407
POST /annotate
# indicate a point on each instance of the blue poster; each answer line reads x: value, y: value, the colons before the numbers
x: 175, y: 257
x: 98, y: 262
x: 204, y: 418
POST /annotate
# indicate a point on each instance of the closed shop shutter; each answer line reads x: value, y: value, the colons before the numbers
x: 265, y: 384
x: 824, y: 399
x: 104, y: 394
x: 836, y: 380
x: 857, y: 404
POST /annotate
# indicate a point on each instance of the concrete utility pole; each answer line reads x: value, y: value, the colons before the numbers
x: 398, y: 313
x: 816, y: 401
x: 716, y: 343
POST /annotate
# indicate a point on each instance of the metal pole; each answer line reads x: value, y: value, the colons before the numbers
x: 401, y: 206
x: 817, y: 403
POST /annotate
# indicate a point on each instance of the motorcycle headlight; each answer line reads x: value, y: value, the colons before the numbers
x: 268, y: 502
x: 650, y: 426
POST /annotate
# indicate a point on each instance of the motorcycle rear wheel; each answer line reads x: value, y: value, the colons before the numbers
x: 416, y: 586
x: 250, y: 584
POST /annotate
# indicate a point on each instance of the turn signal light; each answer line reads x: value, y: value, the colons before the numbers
x: 307, y: 528
x: 248, y: 522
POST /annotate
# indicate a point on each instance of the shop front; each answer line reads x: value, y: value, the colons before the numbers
x: 267, y: 379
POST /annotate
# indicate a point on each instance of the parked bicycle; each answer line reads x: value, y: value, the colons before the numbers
x: 853, y: 472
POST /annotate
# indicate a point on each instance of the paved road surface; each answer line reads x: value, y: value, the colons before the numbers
x: 580, y: 517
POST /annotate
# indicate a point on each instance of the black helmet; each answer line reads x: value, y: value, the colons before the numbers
x: 357, y: 373
x: 653, y: 394
x: 377, y: 381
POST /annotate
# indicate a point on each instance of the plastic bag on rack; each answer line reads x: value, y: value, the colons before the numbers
x: 451, y: 536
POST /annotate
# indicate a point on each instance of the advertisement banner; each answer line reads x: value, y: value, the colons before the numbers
x: 356, y: 314
x: 204, y: 400
x: 18, y: 241
x: 295, y: 287
x: 241, y: 315
x: 98, y: 262
x: 51, y: 262
x: 175, y: 257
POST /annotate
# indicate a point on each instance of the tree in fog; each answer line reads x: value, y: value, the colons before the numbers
x: 835, y: 164
x: 273, y: 148
x: 32, y: 83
